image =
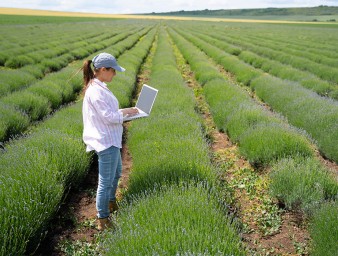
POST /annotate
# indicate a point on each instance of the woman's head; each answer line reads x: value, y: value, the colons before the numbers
x: 104, y: 68
x: 104, y: 74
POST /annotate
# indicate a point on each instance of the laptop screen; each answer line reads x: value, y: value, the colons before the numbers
x: 146, y: 99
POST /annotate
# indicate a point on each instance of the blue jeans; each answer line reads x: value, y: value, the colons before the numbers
x: 110, y: 168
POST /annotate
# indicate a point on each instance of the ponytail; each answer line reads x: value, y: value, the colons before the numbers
x: 88, y: 74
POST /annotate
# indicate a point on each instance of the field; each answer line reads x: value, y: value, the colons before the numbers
x: 238, y: 157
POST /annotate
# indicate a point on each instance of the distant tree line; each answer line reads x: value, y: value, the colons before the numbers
x: 308, y: 11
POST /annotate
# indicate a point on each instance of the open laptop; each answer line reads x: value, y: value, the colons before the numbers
x: 144, y: 103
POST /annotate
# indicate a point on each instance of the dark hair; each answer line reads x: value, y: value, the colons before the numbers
x: 88, y: 74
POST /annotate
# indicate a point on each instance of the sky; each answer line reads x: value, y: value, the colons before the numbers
x: 148, y: 6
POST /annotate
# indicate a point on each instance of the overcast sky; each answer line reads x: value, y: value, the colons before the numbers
x: 147, y: 6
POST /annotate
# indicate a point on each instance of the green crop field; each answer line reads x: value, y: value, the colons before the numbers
x: 271, y: 88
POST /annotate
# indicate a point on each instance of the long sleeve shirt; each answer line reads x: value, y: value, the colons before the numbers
x: 102, y: 119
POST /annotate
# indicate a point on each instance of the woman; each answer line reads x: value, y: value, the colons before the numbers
x: 103, y: 129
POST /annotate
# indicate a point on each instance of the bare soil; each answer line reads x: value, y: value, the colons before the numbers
x: 292, y: 237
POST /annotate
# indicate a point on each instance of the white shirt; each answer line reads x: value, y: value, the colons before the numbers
x: 102, y: 119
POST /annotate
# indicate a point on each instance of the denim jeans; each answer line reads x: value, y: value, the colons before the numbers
x: 110, y: 168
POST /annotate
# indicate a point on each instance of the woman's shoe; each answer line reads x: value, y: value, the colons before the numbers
x: 103, y: 223
x: 113, y: 207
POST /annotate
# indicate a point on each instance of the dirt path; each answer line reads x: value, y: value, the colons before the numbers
x: 288, y: 237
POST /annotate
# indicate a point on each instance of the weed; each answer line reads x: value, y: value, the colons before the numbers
x: 78, y: 248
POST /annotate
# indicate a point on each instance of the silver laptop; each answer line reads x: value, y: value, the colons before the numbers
x: 144, y: 103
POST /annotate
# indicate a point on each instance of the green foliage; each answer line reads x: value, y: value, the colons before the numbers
x: 70, y: 115
x: 12, y: 80
x: 277, y: 57
x: 181, y: 152
x: 224, y: 105
x: 35, y: 70
x: 234, y: 111
x: 35, y: 106
x: 321, y: 87
x: 231, y: 49
x: 247, y: 117
x: 265, y: 143
x: 78, y: 248
x: 302, y: 184
x: 55, y: 64
x: 290, y: 99
x: 4, y: 88
x: 244, y: 73
x: 304, y: 109
x: 334, y: 94
x: 3, y: 58
x: 262, y: 137
x: 49, y: 90
x: 176, y: 220
x: 18, y: 61
x: 12, y: 122
x: 80, y: 53
x: 69, y: 84
x: 252, y: 59
x: 34, y: 175
x: 287, y: 72
x: 324, y: 230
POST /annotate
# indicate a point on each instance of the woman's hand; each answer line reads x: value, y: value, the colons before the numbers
x: 129, y: 111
